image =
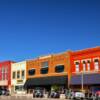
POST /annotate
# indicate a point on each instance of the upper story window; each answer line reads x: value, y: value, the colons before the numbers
x: 23, y: 74
x: 59, y: 68
x: 6, y: 69
x: 88, y: 65
x: 84, y: 66
x: 3, y: 70
x: 77, y: 66
x: 14, y: 75
x: 96, y: 64
x: 45, y: 64
x: 18, y: 74
x: 44, y: 70
x: 31, y: 72
x: 3, y: 73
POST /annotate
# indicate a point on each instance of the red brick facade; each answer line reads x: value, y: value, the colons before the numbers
x: 5, y: 73
x: 87, y: 56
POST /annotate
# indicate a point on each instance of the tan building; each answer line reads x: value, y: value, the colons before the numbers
x: 18, y: 77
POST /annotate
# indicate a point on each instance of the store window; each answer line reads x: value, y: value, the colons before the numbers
x: 19, y: 88
x: 44, y: 71
x: 31, y: 72
x: 59, y: 68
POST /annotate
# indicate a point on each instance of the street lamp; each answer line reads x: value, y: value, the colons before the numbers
x: 82, y: 81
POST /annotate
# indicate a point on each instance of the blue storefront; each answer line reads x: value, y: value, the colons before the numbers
x: 90, y: 81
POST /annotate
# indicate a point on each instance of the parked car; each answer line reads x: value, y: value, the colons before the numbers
x: 0, y: 92
x: 78, y: 95
x: 5, y: 92
x: 38, y: 93
x: 54, y: 94
x: 97, y: 94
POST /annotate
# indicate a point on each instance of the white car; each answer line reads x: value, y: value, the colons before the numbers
x: 79, y: 95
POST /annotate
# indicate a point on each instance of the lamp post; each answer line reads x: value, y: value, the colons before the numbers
x: 82, y: 81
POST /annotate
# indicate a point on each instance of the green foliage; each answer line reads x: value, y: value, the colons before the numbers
x: 55, y: 87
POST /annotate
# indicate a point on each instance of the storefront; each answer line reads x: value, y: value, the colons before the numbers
x: 48, y: 71
x: 46, y: 83
x: 5, y: 75
x: 89, y: 82
x: 18, y: 77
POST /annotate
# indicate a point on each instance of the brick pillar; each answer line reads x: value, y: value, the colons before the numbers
x: 92, y: 65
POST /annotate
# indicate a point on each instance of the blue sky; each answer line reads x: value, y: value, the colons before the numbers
x: 31, y: 28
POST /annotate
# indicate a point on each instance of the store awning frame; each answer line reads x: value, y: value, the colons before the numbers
x: 44, y: 81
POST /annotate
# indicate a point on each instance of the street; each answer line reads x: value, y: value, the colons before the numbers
x: 24, y: 98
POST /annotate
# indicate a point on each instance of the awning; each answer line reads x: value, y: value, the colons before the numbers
x: 59, y: 80
x: 88, y: 79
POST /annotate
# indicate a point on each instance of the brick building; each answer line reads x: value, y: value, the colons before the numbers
x: 47, y: 71
x: 85, y: 69
x: 5, y: 75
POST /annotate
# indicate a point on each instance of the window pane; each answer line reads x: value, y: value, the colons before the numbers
x: 3, y: 76
x: 3, y: 70
x: 6, y: 70
x: 14, y: 75
x: 19, y: 88
x: 44, y: 70
x: 96, y: 64
x: 31, y: 72
x: 23, y: 74
x: 59, y: 68
x: 84, y: 67
x: 45, y: 64
x: 77, y: 67
x: 88, y: 66
x: 6, y: 76
x: 18, y: 74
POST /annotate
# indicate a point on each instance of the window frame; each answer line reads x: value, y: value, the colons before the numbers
x: 46, y: 68
x: 31, y: 70
x: 96, y: 64
x: 77, y: 66
x: 46, y: 65
x: 22, y: 74
x: 58, y: 70
x: 19, y: 74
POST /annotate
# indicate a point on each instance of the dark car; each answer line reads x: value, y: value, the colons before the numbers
x: 38, y: 93
x: 54, y: 94
x: 0, y: 92
x: 5, y: 92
